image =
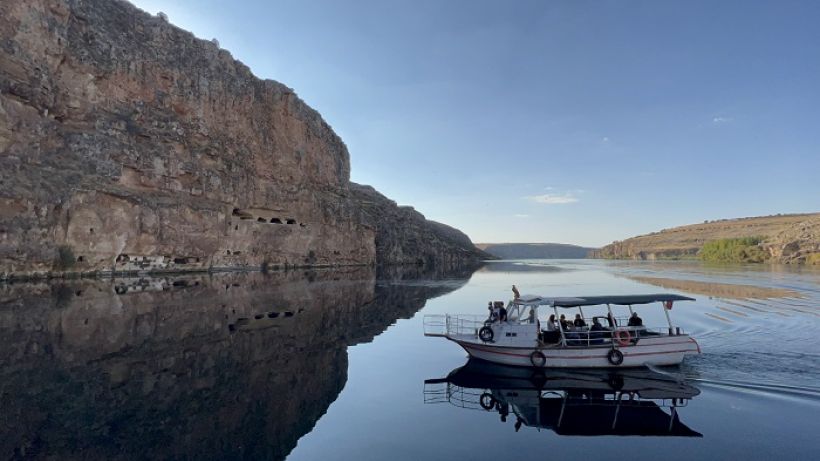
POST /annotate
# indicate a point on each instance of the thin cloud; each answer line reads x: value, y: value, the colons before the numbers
x: 721, y: 119
x: 553, y: 199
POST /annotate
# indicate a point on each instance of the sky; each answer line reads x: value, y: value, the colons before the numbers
x: 570, y: 121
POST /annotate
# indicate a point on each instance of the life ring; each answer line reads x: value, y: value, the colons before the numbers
x: 486, y: 334
x: 615, y: 357
x: 487, y: 401
x: 623, y: 337
x: 537, y: 359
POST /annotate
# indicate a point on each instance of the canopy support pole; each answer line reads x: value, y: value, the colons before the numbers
x: 668, y: 320
x: 611, y: 317
x: 560, y: 326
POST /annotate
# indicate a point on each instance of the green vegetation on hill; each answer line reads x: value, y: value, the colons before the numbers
x: 734, y: 250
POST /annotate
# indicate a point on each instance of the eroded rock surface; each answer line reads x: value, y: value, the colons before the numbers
x: 128, y: 144
x: 790, y: 239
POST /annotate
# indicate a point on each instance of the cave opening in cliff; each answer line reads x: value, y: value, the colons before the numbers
x: 260, y: 219
x: 291, y: 221
x: 275, y: 221
x: 242, y: 214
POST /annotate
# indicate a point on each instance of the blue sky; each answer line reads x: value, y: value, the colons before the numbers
x: 551, y: 121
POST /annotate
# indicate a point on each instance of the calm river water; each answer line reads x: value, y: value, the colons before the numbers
x: 333, y: 365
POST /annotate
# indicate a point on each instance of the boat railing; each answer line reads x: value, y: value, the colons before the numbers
x: 452, y: 325
x: 586, y: 338
x: 462, y: 397
x: 470, y: 398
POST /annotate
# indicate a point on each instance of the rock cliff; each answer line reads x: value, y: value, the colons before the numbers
x: 403, y: 235
x: 128, y: 144
x: 784, y: 238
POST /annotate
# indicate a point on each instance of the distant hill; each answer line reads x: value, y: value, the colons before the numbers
x: 793, y: 238
x: 535, y: 250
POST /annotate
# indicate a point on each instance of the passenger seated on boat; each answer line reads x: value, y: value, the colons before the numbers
x: 551, y: 323
x: 579, y: 322
x: 551, y: 334
x: 531, y: 318
x: 635, y: 321
x: 565, y: 324
x: 597, y: 330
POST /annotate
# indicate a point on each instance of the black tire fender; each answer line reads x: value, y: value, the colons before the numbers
x: 537, y: 359
x: 615, y: 357
x: 486, y: 334
x: 487, y: 401
x: 616, y: 382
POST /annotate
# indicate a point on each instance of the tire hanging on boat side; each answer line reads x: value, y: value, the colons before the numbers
x: 486, y: 334
x: 537, y: 359
x: 487, y: 401
x: 615, y: 357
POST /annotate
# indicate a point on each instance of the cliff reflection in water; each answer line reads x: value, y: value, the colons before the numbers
x: 232, y: 365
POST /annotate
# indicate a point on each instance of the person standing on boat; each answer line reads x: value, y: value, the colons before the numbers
x: 516, y: 294
x: 493, y: 312
x: 502, y: 312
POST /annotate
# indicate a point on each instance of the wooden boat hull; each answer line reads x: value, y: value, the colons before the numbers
x: 660, y: 351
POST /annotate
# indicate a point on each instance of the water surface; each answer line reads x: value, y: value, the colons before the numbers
x: 332, y: 365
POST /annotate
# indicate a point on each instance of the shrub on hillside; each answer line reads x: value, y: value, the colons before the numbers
x: 734, y: 250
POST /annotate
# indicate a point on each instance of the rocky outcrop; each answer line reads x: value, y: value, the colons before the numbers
x: 785, y: 238
x: 403, y: 235
x: 127, y: 144
x: 226, y: 366
x: 535, y: 250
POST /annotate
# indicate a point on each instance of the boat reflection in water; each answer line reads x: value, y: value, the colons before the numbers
x: 570, y: 402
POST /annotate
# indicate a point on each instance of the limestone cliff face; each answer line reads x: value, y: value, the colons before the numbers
x: 403, y: 235
x: 786, y: 238
x: 235, y: 366
x: 129, y: 144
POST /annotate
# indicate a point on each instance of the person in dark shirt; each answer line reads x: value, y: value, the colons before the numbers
x: 565, y: 324
x: 579, y: 322
x: 635, y: 321
x: 596, y: 331
x: 502, y: 311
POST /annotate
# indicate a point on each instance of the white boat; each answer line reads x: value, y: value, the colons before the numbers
x: 519, y: 339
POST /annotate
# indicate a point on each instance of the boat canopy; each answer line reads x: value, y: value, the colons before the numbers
x: 623, y: 300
